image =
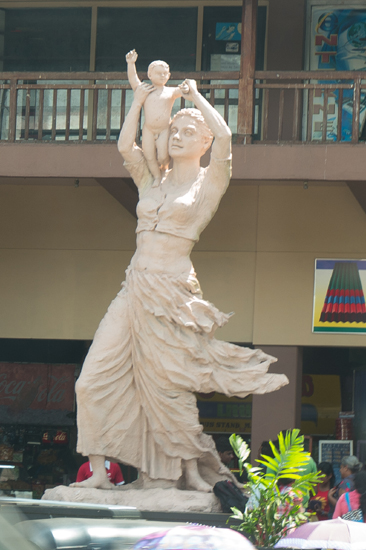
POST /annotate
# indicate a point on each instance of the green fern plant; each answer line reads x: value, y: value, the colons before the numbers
x: 261, y: 521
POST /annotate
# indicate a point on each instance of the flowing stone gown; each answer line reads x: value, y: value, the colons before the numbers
x: 156, y: 346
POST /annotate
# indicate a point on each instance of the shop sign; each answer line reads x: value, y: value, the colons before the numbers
x: 28, y: 390
x: 221, y: 414
x: 60, y: 438
x: 320, y: 407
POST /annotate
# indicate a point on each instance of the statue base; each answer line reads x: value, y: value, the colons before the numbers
x: 150, y: 500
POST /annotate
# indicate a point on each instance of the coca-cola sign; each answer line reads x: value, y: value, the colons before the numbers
x: 28, y: 389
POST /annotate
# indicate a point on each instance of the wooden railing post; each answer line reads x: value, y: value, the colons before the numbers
x: 12, y: 109
x: 247, y: 70
x: 356, y: 110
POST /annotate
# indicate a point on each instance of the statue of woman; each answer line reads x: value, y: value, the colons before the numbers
x: 155, y: 346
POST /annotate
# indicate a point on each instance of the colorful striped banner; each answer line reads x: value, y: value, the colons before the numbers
x: 344, y: 301
x: 339, y: 302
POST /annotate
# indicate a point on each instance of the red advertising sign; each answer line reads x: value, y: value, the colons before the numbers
x: 27, y: 389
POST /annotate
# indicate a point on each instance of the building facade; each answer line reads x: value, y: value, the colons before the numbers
x: 296, y: 195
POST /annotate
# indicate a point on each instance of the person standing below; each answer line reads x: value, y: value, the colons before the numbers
x: 319, y: 503
x: 356, y: 498
x: 350, y: 465
x: 114, y: 473
x: 225, y: 450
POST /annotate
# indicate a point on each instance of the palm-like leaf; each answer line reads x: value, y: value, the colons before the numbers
x: 262, y: 523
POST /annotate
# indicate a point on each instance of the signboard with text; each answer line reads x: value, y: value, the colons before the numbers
x: 33, y: 393
x: 333, y: 452
x: 221, y: 414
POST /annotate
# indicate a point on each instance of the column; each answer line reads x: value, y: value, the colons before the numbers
x: 247, y: 69
x: 279, y: 410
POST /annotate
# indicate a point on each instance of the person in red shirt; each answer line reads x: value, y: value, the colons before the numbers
x: 113, y: 472
x: 319, y: 503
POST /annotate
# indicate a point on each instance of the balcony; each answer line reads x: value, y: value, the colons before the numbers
x: 290, y: 122
x: 288, y: 107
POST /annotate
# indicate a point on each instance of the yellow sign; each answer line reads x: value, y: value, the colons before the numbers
x: 320, y: 404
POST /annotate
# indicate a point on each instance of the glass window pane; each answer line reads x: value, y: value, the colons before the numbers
x: 155, y: 33
x: 222, y: 37
x: 47, y: 39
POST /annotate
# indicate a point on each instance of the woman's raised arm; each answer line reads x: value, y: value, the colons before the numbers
x: 126, y: 141
x: 221, y: 147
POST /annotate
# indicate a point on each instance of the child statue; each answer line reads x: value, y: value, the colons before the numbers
x: 157, y: 110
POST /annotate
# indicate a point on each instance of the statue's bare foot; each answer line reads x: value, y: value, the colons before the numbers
x: 197, y: 484
x: 94, y: 483
x: 193, y: 479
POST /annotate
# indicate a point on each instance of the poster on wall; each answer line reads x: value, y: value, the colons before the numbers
x: 333, y: 452
x: 339, y: 301
x: 228, y: 31
x: 338, y: 43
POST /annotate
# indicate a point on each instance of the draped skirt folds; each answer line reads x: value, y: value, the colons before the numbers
x: 152, y: 350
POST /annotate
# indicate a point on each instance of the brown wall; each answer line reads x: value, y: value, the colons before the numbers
x: 64, y: 249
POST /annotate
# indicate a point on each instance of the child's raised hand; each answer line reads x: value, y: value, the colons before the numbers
x: 132, y: 56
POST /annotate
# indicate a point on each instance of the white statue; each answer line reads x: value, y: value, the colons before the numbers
x: 155, y: 346
x: 157, y: 109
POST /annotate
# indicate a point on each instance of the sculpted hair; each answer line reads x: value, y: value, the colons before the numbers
x: 157, y: 63
x: 198, y: 117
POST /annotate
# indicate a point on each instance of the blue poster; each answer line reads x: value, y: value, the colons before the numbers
x: 338, y: 42
x: 228, y: 31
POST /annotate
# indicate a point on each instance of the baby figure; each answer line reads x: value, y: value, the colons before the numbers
x: 157, y: 109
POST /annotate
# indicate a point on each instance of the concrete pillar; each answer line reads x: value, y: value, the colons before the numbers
x: 279, y: 410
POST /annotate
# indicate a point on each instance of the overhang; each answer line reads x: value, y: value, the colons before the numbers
x: 277, y: 162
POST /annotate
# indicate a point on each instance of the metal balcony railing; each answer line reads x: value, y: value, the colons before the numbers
x: 89, y: 106
x: 288, y: 106
x: 312, y: 106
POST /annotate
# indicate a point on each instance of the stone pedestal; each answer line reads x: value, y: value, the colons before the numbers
x: 156, y: 500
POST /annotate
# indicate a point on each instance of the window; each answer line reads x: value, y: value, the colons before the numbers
x: 156, y: 33
x: 47, y: 39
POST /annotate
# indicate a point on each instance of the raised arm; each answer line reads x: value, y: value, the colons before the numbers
x: 221, y: 147
x: 133, y: 79
x: 126, y: 141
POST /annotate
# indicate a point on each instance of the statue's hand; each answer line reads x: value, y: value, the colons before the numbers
x: 142, y: 91
x: 188, y: 89
x: 132, y: 56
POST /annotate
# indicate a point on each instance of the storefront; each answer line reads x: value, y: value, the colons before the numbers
x: 37, y: 427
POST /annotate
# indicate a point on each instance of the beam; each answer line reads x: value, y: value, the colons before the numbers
x: 358, y: 188
x: 123, y: 190
x: 311, y: 162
